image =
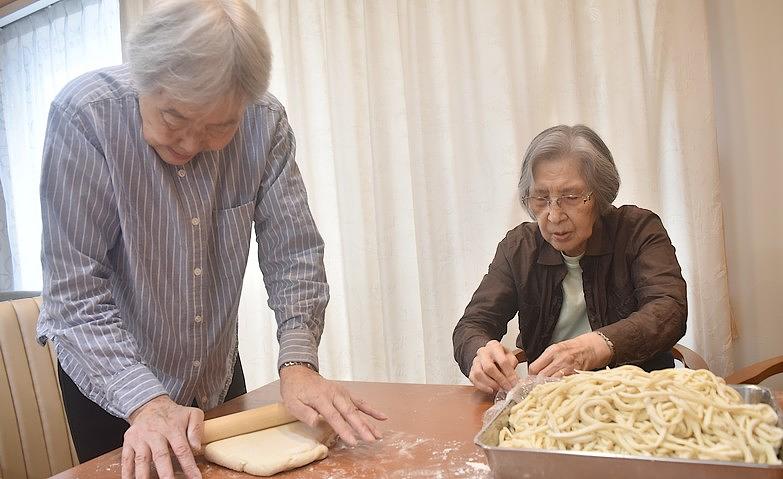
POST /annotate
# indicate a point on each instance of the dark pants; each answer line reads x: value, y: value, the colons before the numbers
x: 95, y: 431
x: 659, y: 361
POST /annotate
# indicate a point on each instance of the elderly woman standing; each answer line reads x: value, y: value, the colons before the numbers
x: 593, y: 285
x: 153, y: 175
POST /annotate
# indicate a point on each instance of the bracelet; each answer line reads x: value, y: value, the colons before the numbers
x: 608, y: 343
x: 297, y: 363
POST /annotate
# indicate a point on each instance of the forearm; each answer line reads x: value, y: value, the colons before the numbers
x: 104, y: 365
x: 661, y: 293
x: 298, y: 293
x: 655, y: 328
x: 291, y: 252
x: 299, y: 344
x: 467, y: 339
x: 487, y: 315
x: 295, y: 279
x: 97, y: 353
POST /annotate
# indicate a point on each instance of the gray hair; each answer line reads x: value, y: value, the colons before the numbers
x: 583, y: 144
x: 200, y: 50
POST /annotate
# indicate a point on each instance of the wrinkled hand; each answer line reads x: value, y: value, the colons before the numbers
x: 493, y: 368
x: 584, y: 352
x: 158, y: 428
x: 306, y: 395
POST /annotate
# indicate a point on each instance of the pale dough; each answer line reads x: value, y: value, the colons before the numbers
x: 269, y: 451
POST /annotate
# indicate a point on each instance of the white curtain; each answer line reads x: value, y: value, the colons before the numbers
x: 411, y: 119
x: 747, y: 69
x: 6, y: 260
x: 39, y: 54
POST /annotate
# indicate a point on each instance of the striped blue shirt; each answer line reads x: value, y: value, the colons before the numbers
x: 143, y: 261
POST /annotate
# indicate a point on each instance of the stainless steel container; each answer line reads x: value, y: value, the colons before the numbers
x: 541, y: 463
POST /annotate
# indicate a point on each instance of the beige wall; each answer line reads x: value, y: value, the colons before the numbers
x: 747, y: 66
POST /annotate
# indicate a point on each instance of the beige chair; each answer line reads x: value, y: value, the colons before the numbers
x: 34, y: 438
x: 689, y: 358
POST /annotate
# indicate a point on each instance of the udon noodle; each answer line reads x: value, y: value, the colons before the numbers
x: 670, y: 413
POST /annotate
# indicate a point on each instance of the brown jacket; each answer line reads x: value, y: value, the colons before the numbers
x: 634, y: 291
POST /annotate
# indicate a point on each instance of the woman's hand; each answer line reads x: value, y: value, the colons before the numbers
x: 493, y: 368
x: 307, y: 395
x: 585, y: 352
x: 158, y: 429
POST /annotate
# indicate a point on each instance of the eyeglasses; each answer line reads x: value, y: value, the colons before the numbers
x: 565, y: 202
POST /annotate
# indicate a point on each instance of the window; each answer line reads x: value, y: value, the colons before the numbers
x: 39, y: 54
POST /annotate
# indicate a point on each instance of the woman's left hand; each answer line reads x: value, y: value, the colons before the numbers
x: 583, y: 353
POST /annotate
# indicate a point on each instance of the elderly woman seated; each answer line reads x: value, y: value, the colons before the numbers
x: 593, y: 285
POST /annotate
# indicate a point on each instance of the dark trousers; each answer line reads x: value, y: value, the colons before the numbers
x: 659, y: 361
x: 95, y: 431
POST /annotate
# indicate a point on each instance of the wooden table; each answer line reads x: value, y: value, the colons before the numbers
x: 429, y: 434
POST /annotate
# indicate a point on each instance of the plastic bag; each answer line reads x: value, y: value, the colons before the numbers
x: 515, y: 395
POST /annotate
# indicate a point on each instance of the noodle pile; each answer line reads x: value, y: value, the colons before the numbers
x: 670, y: 413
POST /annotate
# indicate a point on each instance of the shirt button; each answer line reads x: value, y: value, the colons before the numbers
x: 196, y: 363
x: 197, y: 271
x: 195, y: 221
x: 181, y: 172
x: 198, y: 318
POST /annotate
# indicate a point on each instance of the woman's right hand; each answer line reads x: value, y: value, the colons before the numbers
x: 493, y: 368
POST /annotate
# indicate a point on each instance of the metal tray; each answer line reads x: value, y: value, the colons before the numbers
x: 543, y: 463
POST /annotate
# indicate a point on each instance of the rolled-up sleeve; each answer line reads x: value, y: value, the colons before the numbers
x: 290, y: 252
x: 80, y: 226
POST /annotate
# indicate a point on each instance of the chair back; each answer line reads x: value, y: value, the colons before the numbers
x: 756, y: 372
x: 35, y: 441
x: 689, y: 358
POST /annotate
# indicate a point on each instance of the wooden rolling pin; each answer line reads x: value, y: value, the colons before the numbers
x: 244, y: 422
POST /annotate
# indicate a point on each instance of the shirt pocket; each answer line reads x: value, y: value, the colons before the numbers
x: 232, y: 243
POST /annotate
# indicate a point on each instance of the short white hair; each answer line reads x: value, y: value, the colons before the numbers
x: 198, y: 51
x: 583, y: 144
